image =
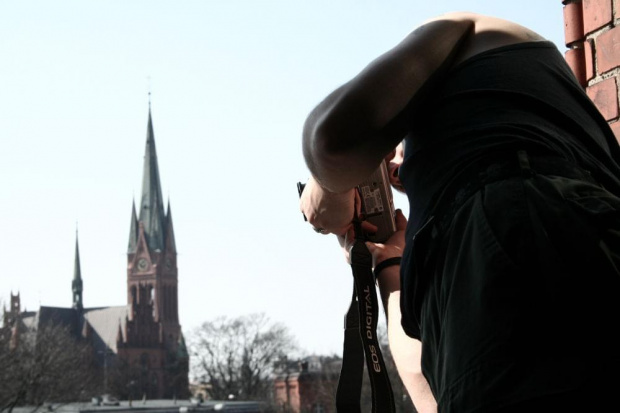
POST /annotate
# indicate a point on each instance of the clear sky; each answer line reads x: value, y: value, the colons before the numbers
x: 231, y: 82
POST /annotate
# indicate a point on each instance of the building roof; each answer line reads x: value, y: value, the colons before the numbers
x: 152, y: 406
x: 27, y: 320
x: 57, y: 316
x: 106, y: 323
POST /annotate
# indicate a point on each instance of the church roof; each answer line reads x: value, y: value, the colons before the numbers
x: 58, y: 316
x: 27, y: 320
x: 105, y: 323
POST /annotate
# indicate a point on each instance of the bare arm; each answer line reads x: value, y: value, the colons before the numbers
x: 348, y: 134
x: 405, y: 350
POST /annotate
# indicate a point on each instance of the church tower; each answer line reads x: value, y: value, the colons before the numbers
x: 151, y: 254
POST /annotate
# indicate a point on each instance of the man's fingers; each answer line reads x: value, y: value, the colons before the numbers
x: 368, y: 227
x: 371, y: 246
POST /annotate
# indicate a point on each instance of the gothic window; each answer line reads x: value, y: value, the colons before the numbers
x: 153, y: 303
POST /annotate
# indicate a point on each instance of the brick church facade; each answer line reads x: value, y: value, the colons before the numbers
x: 139, y: 345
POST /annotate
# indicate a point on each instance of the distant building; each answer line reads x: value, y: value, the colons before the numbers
x: 308, y: 386
x: 139, y: 346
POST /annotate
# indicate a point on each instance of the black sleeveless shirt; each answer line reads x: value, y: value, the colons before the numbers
x: 520, y: 96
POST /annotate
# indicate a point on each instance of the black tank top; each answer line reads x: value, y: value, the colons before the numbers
x: 520, y: 96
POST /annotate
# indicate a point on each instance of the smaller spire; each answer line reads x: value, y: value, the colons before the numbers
x: 182, y: 352
x: 133, y: 230
x: 77, y: 272
x: 149, y: 81
x: 170, y: 229
x: 76, y: 284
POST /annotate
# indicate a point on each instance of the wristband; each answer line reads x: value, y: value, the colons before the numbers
x: 386, y: 263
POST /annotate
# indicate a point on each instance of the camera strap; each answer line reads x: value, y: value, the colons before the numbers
x: 360, y: 338
x: 361, y: 342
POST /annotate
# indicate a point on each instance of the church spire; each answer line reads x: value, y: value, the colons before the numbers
x: 133, y: 230
x: 76, y: 284
x: 151, y: 206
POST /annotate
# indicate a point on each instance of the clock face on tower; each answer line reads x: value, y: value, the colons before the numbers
x: 142, y: 264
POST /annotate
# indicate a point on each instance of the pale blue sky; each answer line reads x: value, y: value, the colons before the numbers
x: 231, y: 83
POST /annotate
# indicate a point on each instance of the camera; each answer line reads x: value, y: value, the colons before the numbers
x: 377, y: 203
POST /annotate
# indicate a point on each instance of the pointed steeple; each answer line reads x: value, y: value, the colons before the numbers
x: 182, y: 352
x: 151, y: 206
x: 133, y: 230
x: 76, y: 284
x: 170, y: 229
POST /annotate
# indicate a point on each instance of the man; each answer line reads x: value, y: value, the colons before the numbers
x: 510, y: 258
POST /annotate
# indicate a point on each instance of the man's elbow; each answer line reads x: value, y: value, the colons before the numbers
x: 326, y: 154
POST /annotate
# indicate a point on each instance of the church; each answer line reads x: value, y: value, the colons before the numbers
x: 139, y: 345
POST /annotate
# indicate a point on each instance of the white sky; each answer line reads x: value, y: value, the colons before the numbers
x: 231, y: 83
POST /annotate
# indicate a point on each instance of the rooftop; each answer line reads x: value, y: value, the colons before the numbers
x: 150, y: 406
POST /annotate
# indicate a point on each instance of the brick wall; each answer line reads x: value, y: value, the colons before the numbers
x: 592, y: 35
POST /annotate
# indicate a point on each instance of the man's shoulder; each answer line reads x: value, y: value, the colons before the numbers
x: 457, y: 16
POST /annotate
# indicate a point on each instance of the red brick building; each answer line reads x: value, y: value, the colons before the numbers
x: 592, y: 36
x: 308, y: 386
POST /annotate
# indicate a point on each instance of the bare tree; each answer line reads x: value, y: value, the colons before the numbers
x: 45, y: 366
x: 236, y: 356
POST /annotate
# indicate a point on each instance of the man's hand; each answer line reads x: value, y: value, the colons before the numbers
x: 326, y: 211
x: 394, y: 246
